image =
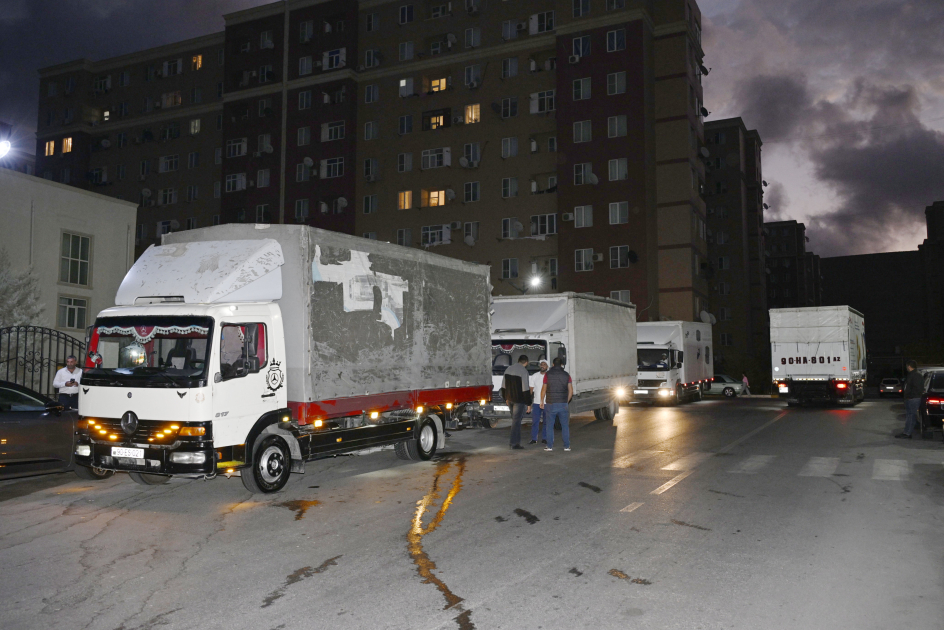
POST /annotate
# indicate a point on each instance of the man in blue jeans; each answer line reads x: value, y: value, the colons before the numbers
x: 914, y: 390
x: 538, y: 413
x: 556, y: 393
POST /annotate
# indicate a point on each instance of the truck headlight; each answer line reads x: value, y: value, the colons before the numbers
x: 664, y: 392
x: 188, y: 458
x: 620, y: 392
x: 83, y: 450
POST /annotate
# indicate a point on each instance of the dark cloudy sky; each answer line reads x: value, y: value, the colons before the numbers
x: 848, y: 95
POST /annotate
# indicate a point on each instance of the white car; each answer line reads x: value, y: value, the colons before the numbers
x: 726, y: 386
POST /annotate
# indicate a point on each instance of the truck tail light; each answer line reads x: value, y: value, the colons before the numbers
x: 934, y: 401
x: 841, y: 386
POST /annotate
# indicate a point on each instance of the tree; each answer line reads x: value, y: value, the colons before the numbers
x: 19, y: 295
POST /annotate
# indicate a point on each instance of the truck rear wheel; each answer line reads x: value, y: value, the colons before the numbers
x: 421, y: 447
x: 146, y: 479
x: 271, y: 466
x: 608, y: 413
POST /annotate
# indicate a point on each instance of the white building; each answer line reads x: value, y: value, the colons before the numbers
x: 80, y: 244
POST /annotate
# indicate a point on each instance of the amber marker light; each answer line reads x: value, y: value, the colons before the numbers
x: 319, y: 424
x: 230, y: 470
x: 419, y: 409
x: 339, y: 439
x: 103, y: 431
x: 286, y: 418
x: 112, y: 437
x: 193, y: 431
x: 482, y: 402
x: 174, y: 427
x: 374, y: 415
x: 448, y: 405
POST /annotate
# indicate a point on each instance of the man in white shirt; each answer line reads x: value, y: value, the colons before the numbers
x: 538, y: 413
x: 67, y: 382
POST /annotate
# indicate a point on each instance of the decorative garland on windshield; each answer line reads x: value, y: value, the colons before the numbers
x: 144, y: 334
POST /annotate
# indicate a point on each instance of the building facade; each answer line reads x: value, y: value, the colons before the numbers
x: 795, y: 279
x: 736, y: 264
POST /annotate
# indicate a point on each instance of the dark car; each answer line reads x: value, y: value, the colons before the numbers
x: 931, y: 411
x: 889, y: 387
x: 37, y: 435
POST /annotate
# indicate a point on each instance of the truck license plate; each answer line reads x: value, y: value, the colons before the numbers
x: 502, y: 408
x: 135, y: 453
x: 784, y: 389
x: 640, y: 391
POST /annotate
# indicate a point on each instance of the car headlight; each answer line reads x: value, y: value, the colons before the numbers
x: 188, y: 458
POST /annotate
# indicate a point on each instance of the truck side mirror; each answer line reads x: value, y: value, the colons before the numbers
x: 217, y: 378
x: 562, y: 355
x: 681, y: 358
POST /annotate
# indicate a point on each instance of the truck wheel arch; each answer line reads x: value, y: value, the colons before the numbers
x: 440, y: 429
x: 269, y: 423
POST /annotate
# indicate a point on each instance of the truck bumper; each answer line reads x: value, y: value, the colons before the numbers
x: 653, y: 393
x: 193, y: 459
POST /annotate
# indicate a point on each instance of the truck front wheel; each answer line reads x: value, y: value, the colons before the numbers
x: 421, y: 447
x: 271, y: 466
x: 146, y: 479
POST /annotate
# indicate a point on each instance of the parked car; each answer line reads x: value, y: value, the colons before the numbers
x: 931, y: 411
x: 726, y: 386
x: 889, y: 387
x: 37, y: 435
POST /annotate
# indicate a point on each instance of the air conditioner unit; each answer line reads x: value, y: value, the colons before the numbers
x: 268, y: 45
x: 371, y: 178
x: 574, y: 59
x: 598, y: 258
x: 455, y: 225
x: 473, y: 85
x: 253, y: 73
x: 458, y: 120
x: 257, y: 154
x: 521, y: 26
x: 318, y: 63
x: 473, y: 163
x: 567, y: 216
x: 360, y: 68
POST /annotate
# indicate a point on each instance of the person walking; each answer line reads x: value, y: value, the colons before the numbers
x: 537, y: 410
x: 556, y: 393
x: 914, y: 389
x: 67, y: 382
x: 518, y: 396
x: 747, y: 385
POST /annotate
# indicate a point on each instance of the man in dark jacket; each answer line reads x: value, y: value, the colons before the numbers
x: 914, y: 389
x: 555, y: 395
x: 517, y: 395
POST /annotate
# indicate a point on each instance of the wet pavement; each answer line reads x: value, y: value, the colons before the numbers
x: 718, y: 514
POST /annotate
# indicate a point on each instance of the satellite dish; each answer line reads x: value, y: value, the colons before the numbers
x: 464, y: 162
x: 714, y: 320
x: 518, y: 227
x: 764, y: 182
x: 450, y: 194
x: 705, y: 316
x: 324, y: 208
x: 451, y: 38
x: 342, y: 202
x: 268, y: 148
x: 703, y: 69
x: 174, y: 224
x: 146, y: 193
x: 309, y: 162
x: 704, y: 152
x: 496, y: 108
x: 594, y: 179
x: 766, y: 207
x: 470, y: 240
x: 704, y: 112
x: 632, y: 256
x: 106, y: 143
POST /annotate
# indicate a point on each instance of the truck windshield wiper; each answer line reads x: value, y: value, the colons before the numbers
x: 160, y: 372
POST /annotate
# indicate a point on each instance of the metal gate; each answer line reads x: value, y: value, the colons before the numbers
x: 31, y: 355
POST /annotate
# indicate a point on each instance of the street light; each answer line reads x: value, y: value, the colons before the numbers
x: 5, y: 147
x: 536, y: 281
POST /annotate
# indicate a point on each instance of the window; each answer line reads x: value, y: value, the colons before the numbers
x: 145, y: 168
x: 551, y: 183
x: 433, y: 198
x: 372, y: 22
x: 304, y: 99
x: 616, y: 40
x: 406, y: 87
x: 404, y: 162
x: 440, y: 10
x: 620, y: 296
x: 727, y: 339
x: 236, y: 147
x: 332, y: 130
x: 472, y: 192
x: 724, y: 262
x: 509, y: 30
x: 581, y: 46
x: 509, y: 187
x: 509, y: 228
x: 509, y: 107
x: 406, y: 51
x: 472, y: 153
x: 72, y: 313
x: 473, y: 114
x: 70, y: 85
x: 435, y: 47
x: 542, y: 102
x: 170, y: 99
x: 473, y: 75
x: 67, y: 145
x: 583, y: 260
x: 235, y: 181
x: 194, y: 126
x: 616, y: 83
x: 370, y: 94
x: 616, y: 126
x: 582, y: 131
x: 302, y: 172
x: 509, y: 268
x: 304, y: 65
x: 371, y: 235
x: 103, y: 84
x: 242, y: 350
x: 168, y: 163
x: 471, y: 230
x: 431, y: 234
x: 583, y: 216
x: 438, y: 85
x: 435, y: 119
x: 581, y: 89
x: 74, y: 259
x: 404, y: 200
x: 724, y: 288
x: 612, y: 5
x: 405, y: 237
x: 370, y: 204
x: 473, y: 37
x: 263, y: 178
x: 435, y: 158
x: 618, y: 169
x: 50, y: 148
x: 301, y: 209
x: 216, y: 192
x: 406, y: 14
x: 167, y: 196
x: 333, y: 167
x: 509, y: 147
x: 370, y: 130
x: 262, y: 213
x: 196, y: 96
x: 170, y: 131
x: 265, y: 40
x: 509, y: 67
x: 619, y: 257
x: 405, y: 124
x: 196, y: 62
x: 192, y: 192
x: 304, y: 136
x: 306, y: 30
x: 542, y: 22
x: 370, y: 168
x: 581, y: 8
x: 121, y: 172
x: 721, y: 238
x: 265, y: 73
x: 372, y: 58
x: 217, y: 157
x: 582, y: 173
x: 542, y: 224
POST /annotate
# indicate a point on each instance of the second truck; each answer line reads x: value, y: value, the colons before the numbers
x: 675, y: 362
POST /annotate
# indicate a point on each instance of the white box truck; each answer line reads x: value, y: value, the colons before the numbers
x: 675, y: 362
x: 250, y: 350
x: 594, y: 336
x: 818, y: 354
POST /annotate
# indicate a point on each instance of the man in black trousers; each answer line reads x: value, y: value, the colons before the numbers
x: 517, y: 395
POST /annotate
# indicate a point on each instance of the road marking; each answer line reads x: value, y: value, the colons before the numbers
x: 633, y: 458
x: 688, y: 462
x: 671, y: 482
x: 890, y: 470
x: 752, y: 433
x: 753, y: 464
x: 631, y: 507
x: 820, y: 467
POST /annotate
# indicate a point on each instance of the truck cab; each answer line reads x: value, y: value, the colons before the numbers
x: 659, y: 376
x: 674, y: 361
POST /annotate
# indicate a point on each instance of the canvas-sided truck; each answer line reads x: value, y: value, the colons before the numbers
x: 818, y: 354
x: 595, y: 338
x: 250, y: 350
x: 675, y: 362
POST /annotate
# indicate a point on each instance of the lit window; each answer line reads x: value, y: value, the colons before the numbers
x: 194, y: 126
x: 196, y: 62
x: 438, y: 85
x: 405, y: 200
x: 472, y: 113
x: 435, y: 198
x: 67, y: 145
x: 50, y: 148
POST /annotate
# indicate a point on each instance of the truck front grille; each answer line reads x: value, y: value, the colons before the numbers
x: 650, y: 383
x: 112, y: 426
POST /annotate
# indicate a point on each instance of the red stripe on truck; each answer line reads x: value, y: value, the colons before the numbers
x: 307, y: 413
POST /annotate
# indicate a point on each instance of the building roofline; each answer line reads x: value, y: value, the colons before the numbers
x: 45, y: 182
x: 267, y: 10
x: 137, y: 56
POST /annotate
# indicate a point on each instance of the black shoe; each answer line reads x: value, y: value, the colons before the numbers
x: 533, y: 442
x: 517, y: 446
x: 543, y: 441
x: 903, y: 436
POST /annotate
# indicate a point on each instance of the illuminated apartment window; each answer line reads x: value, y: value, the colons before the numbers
x: 51, y: 148
x: 67, y: 145
x: 405, y: 199
x: 436, y: 198
x: 196, y: 62
x: 472, y: 113
x: 438, y: 85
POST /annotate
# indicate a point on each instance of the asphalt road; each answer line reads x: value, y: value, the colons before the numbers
x: 719, y: 514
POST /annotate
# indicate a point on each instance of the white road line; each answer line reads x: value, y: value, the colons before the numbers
x: 688, y: 462
x: 633, y: 458
x: 753, y: 464
x: 890, y: 470
x: 752, y: 433
x: 820, y: 467
x: 671, y: 482
x: 631, y: 507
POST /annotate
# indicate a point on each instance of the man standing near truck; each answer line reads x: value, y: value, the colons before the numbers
x: 914, y: 389
x: 556, y: 393
x: 517, y: 395
x: 538, y: 412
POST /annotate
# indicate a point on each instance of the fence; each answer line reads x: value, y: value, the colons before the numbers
x: 31, y: 355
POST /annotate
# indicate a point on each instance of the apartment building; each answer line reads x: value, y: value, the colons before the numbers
x: 143, y: 127
x: 736, y: 265
x: 794, y: 279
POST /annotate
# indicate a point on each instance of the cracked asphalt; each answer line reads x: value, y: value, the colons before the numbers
x: 718, y: 514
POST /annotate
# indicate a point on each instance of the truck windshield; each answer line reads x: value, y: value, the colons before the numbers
x: 653, y: 358
x: 148, y: 351
x: 505, y: 352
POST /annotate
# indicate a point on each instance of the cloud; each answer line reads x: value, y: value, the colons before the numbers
x: 776, y: 197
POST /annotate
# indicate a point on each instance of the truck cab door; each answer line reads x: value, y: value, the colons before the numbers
x: 243, y: 390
